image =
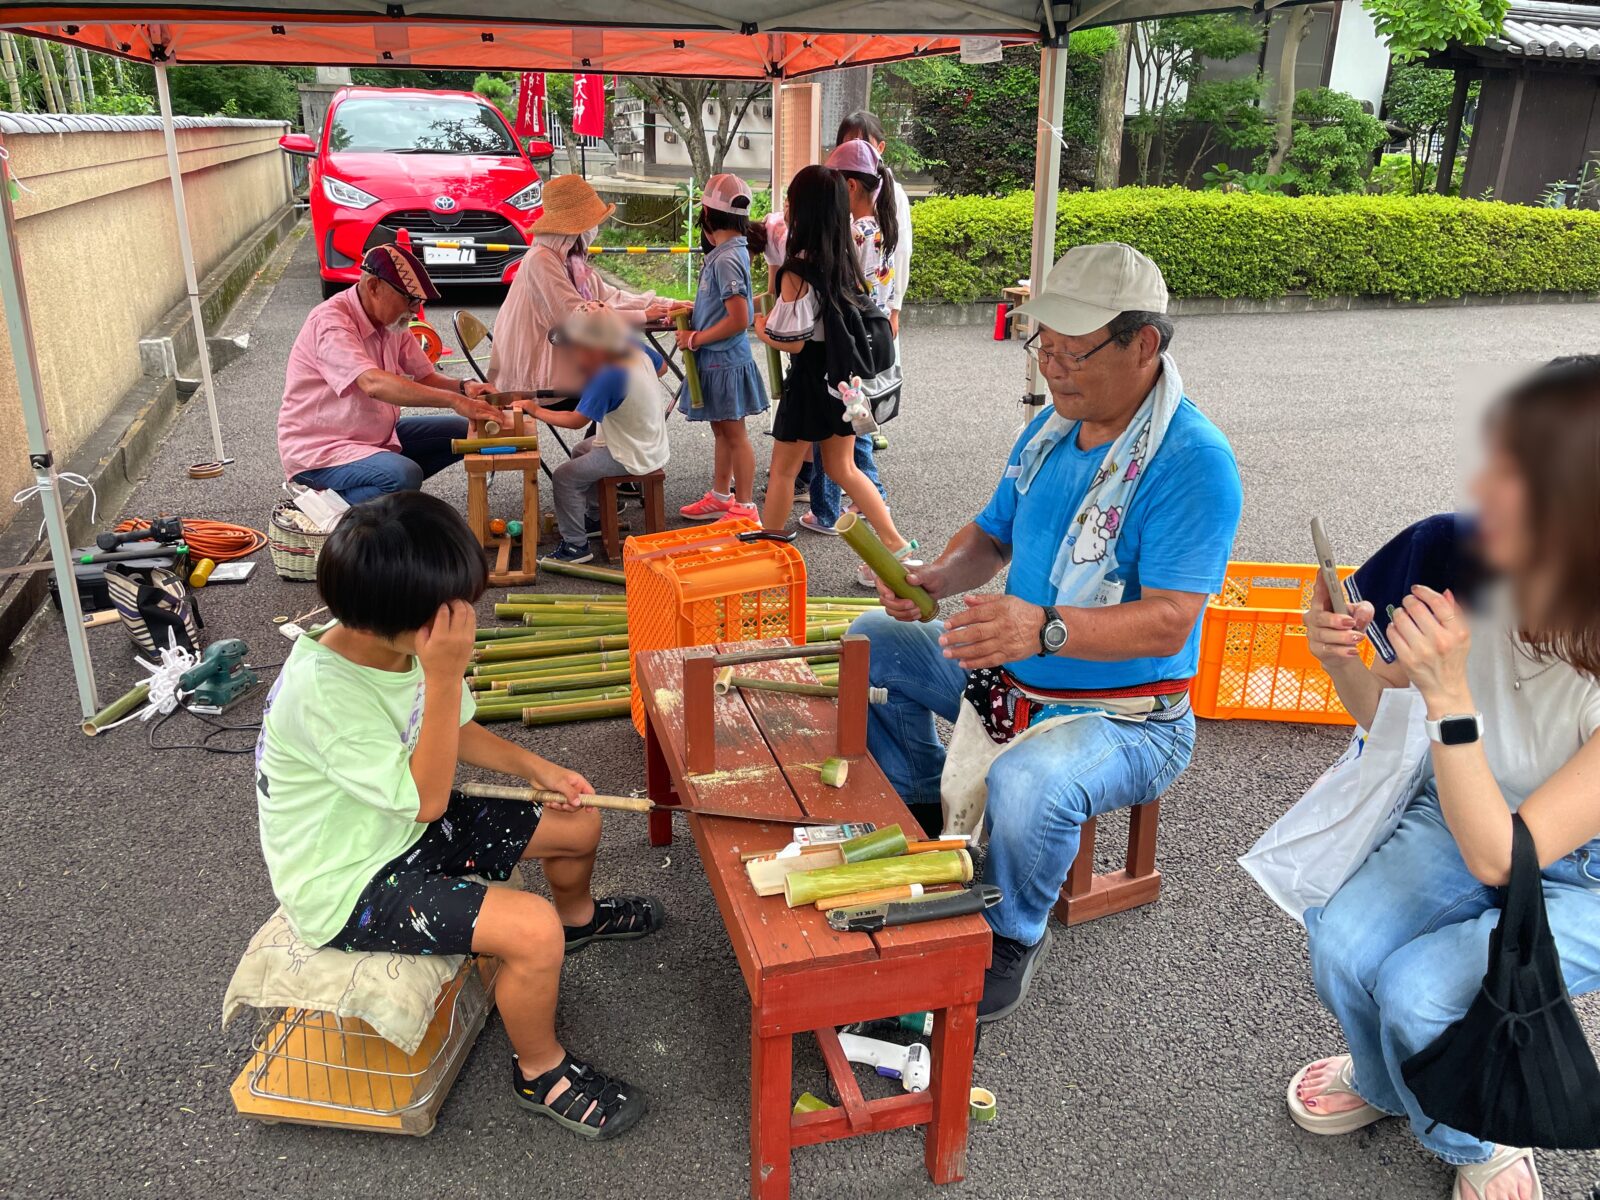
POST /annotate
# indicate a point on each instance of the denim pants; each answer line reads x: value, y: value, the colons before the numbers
x: 424, y: 452
x: 1040, y: 792
x: 575, y: 491
x: 826, y: 495
x: 1400, y: 951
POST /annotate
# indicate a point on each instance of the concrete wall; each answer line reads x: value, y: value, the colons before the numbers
x: 99, y: 248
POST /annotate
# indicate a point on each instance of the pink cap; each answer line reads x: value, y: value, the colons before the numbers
x: 727, y: 193
x: 858, y: 156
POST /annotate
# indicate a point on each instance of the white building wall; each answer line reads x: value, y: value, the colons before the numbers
x: 1360, y: 57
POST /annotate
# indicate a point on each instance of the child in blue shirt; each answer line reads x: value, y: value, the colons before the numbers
x: 720, y: 341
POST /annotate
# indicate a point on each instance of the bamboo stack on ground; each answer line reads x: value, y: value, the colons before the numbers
x: 582, y: 571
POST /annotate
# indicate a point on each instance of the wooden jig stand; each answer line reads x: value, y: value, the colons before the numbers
x: 513, y: 560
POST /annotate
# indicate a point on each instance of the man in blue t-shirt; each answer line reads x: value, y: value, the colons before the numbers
x: 1116, y: 514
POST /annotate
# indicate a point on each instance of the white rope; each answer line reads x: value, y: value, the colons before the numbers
x: 76, y: 480
x: 164, y: 677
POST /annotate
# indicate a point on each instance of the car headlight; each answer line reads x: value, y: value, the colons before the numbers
x: 528, y: 198
x: 346, y: 194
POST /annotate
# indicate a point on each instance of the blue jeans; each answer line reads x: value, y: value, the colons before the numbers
x: 825, y: 493
x: 1039, y: 793
x: 424, y: 451
x: 1399, y: 953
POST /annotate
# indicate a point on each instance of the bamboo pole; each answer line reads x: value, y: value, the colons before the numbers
x: 589, y: 710
x: 88, y: 77
x: 561, y: 598
x: 118, y: 708
x: 512, y: 651
x: 8, y: 62
x: 470, y: 444
x: 555, y: 665
x: 847, y: 601
x: 513, y: 707
x: 74, y: 78
x: 614, y: 620
x: 774, y: 357
x: 858, y: 535
x: 582, y: 571
x: 508, y: 611
x: 943, y: 866
x: 556, y: 683
x: 42, y: 60
x: 752, y: 683
x: 494, y: 791
x: 691, y: 368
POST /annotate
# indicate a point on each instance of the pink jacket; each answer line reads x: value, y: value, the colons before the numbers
x: 541, y: 298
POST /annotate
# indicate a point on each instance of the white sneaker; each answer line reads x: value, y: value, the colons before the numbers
x: 867, y: 578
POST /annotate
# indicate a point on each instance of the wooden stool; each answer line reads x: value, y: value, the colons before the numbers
x: 1086, y: 895
x: 479, y: 467
x: 654, y: 489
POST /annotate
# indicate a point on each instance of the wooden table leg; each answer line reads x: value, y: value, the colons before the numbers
x: 771, y: 1077
x: 658, y: 786
x: 955, y: 1031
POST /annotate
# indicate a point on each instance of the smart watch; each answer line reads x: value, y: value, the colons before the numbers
x: 1456, y: 729
x: 1053, y: 634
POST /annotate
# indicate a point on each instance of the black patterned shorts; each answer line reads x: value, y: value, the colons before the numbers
x: 418, y: 903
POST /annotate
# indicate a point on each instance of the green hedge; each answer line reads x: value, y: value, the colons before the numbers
x: 1230, y: 244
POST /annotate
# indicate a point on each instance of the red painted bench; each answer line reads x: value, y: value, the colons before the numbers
x: 757, y: 752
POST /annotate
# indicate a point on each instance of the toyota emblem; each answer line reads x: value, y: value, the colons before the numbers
x: 444, y: 203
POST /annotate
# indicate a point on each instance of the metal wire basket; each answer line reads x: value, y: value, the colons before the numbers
x: 321, y: 1061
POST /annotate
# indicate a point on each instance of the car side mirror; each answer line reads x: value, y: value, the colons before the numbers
x: 298, y: 143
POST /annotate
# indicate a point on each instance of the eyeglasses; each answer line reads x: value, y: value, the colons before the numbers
x: 1070, y: 361
x: 414, y: 303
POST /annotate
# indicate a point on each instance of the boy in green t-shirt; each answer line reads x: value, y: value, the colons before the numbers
x: 367, y: 845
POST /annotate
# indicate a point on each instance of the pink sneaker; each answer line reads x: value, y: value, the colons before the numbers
x: 708, y: 508
x: 741, y: 512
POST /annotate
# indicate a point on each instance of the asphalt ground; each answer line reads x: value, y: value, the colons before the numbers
x: 1151, y: 1059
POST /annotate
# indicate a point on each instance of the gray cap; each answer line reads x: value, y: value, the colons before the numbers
x: 1091, y: 285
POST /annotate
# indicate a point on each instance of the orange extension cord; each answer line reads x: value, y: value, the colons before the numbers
x: 216, y: 540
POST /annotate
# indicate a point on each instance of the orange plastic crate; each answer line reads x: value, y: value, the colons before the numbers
x: 1255, y: 662
x: 693, y: 587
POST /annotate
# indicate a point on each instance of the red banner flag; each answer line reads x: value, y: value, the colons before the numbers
x: 589, y: 105
x: 530, y: 105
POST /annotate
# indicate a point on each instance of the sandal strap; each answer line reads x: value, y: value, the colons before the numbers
x: 623, y: 914
x: 1479, y: 1175
x: 590, y: 1096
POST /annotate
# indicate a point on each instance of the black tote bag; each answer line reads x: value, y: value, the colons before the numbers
x: 1515, y: 1069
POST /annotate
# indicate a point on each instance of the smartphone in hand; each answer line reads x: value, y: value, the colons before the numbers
x: 1338, y: 595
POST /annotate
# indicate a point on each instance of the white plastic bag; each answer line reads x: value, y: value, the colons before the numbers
x: 1352, y: 808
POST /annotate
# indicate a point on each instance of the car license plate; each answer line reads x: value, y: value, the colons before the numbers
x: 433, y: 256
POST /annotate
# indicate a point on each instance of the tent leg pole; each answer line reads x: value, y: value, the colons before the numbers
x: 14, y: 297
x: 1046, y: 180
x: 181, y: 210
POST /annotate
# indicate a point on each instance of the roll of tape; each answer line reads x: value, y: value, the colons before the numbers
x: 981, y: 1105
x: 206, y: 470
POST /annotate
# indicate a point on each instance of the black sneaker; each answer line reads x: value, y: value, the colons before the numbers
x: 591, y: 526
x: 618, y: 919
x: 571, y: 552
x: 1005, y: 983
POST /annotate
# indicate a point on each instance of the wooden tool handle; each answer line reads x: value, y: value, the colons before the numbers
x: 528, y: 795
x: 937, y: 844
x: 904, y: 891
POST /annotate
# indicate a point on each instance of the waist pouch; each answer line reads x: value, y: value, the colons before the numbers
x: 1007, y: 708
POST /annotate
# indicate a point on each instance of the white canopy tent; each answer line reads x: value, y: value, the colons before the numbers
x: 769, y: 40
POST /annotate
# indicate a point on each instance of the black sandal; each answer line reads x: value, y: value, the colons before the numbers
x: 618, y: 919
x: 593, y: 1104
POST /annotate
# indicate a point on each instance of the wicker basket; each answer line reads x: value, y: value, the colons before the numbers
x: 294, y: 549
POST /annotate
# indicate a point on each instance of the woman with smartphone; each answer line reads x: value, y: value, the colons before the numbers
x: 1512, y: 688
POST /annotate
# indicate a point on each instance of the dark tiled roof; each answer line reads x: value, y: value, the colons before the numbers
x: 1535, y: 29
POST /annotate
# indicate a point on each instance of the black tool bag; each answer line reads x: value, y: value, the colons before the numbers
x: 858, y: 343
x: 155, y: 604
x: 1515, y: 1069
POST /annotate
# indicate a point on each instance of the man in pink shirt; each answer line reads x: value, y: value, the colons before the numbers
x: 354, y: 366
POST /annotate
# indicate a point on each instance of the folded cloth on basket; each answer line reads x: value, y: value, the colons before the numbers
x: 393, y: 993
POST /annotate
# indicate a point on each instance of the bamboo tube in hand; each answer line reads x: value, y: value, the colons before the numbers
x: 691, y: 369
x: 774, y: 356
x: 945, y: 866
x: 859, y: 537
x: 496, y: 791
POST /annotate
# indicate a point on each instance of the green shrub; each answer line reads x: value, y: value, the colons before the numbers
x: 1239, y: 244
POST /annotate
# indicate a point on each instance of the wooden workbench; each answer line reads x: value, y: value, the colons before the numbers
x: 802, y: 976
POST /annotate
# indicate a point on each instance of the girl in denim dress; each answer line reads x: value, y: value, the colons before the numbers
x: 720, y: 341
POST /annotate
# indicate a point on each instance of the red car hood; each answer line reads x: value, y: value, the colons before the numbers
x: 469, y: 179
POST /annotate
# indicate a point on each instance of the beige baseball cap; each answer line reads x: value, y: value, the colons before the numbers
x: 1091, y: 284
x: 593, y: 324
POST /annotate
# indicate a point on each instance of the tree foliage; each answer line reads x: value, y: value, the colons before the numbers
x: 682, y: 104
x: 1415, y: 28
x: 1171, y: 53
x: 973, y: 126
x: 1418, y: 100
x: 1333, y: 147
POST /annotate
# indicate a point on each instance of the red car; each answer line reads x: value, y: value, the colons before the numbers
x: 445, y: 166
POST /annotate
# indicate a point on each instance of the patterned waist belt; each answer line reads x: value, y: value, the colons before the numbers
x: 1007, y: 707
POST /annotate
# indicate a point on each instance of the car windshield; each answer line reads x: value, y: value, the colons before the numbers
x: 419, y: 125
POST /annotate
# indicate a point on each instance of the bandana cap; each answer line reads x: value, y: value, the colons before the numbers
x: 399, y: 267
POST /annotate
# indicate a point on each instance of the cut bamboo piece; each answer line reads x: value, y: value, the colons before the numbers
x: 946, y: 866
x: 789, y: 686
x: 834, y: 772
x: 691, y: 368
x: 858, y: 535
x: 767, y: 874
x: 888, y: 842
x: 495, y: 791
x: 118, y: 708
x: 723, y: 683
x: 582, y: 571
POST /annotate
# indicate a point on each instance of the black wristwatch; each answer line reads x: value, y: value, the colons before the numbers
x: 1052, y: 634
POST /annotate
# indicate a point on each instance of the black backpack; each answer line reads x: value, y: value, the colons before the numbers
x: 859, y: 344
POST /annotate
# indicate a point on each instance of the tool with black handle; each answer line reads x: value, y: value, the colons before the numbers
x: 873, y: 917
